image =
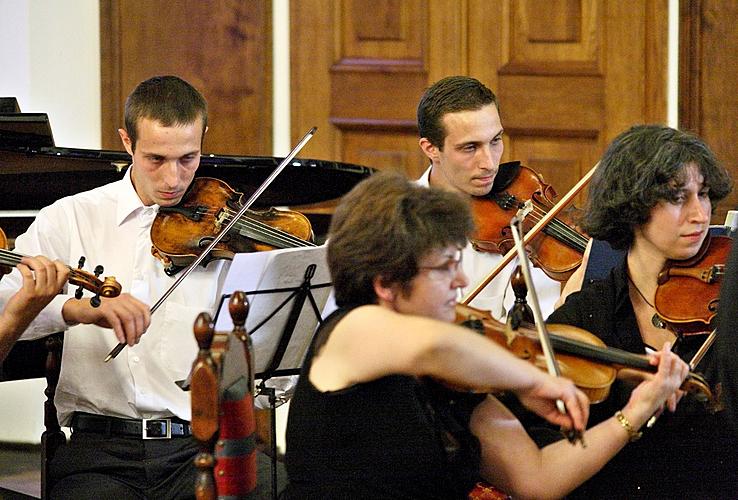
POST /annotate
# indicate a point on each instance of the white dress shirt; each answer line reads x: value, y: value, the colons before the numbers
x: 498, y: 296
x: 110, y: 226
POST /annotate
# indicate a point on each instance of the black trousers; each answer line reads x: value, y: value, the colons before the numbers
x: 93, y: 466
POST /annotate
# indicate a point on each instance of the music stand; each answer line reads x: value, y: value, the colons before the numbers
x: 287, y: 291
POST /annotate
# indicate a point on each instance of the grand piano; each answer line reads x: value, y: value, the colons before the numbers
x: 34, y: 172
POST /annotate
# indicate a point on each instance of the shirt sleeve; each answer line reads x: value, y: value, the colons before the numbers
x: 44, y: 237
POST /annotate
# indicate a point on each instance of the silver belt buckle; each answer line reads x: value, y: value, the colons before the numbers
x: 161, y: 428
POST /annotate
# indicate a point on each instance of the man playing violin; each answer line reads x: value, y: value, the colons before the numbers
x: 461, y: 134
x: 374, y: 415
x: 42, y: 279
x: 115, y: 408
x: 652, y: 195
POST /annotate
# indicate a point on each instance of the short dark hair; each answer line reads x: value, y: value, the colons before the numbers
x: 450, y: 95
x: 383, y: 226
x: 643, y: 166
x: 167, y: 99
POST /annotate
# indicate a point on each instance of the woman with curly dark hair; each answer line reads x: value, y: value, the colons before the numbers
x: 652, y: 195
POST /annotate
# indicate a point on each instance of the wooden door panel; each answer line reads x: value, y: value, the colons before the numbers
x: 708, y: 80
x: 398, y: 152
x: 380, y: 30
x: 538, y: 105
x: 569, y: 74
x: 548, y: 33
x: 561, y: 161
x: 223, y: 48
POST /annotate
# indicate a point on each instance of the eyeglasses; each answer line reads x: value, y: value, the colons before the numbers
x: 445, y: 271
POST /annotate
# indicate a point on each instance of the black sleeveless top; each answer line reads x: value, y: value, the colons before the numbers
x: 395, y: 437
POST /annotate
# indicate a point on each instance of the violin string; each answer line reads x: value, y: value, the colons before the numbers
x: 277, y: 235
x: 558, y: 224
x: 563, y: 232
x: 267, y: 233
x: 10, y: 258
x: 567, y: 233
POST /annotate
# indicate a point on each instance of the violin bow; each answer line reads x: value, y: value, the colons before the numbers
x: 540, y: 225
x: 309, y: 135
x: 706, y: 345
x: 516, y: 226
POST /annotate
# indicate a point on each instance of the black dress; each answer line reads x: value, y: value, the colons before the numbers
x: 395, y: 437
x: 686, y: 454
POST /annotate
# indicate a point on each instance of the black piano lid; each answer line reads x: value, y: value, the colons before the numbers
x: 9, y: 105
x: 45, y: 174
x: 25, y: 129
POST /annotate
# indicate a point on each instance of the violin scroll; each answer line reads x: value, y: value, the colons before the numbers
x: 86, y: 281
x: 108, y: 287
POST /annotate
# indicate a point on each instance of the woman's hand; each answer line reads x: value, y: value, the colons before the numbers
x: 659, y: 390
x: 541, y: 399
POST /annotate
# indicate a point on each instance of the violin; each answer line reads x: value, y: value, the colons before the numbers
x: 180, y: 233
x: 688, y: 290
x: 108, y: 287
x: 581, y: 356
x: 557, y: 249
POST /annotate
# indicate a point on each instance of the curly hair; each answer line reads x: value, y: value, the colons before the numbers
x: 383, y: 227
x: 450, y: 95
x: 168, y: 100
x: 640, y: 168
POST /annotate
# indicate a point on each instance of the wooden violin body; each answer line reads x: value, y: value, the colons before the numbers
x: 689, y: 290
x: 180, y: 233
x: 557, y: 250
x: 581, y: 356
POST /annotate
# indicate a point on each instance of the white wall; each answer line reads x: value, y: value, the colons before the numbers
x: 50, y: 61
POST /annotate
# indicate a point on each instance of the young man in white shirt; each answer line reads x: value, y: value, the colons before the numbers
x: 114, y: 407
x: 461, y: 134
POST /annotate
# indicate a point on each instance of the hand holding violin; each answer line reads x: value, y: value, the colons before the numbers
x: 658, y: 390
x: 541, y: 399
x: 126, y: 315
x: 42, y: 281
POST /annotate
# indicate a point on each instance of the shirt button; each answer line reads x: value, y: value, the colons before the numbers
x: 136, y: 359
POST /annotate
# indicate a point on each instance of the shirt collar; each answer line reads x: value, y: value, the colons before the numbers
x: 424, y: 179
x: 129, y: 202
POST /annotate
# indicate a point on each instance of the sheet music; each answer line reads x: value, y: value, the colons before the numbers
x: 273, y: 270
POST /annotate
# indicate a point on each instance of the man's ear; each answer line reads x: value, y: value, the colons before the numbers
x: 126, y: 140
x: 383, y: 291
x: 431, y: 151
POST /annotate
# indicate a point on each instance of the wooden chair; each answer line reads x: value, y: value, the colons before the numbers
x: 40, y: 359
x: 223, y: 422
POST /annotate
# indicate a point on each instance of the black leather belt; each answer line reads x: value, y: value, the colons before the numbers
x: 152, y: 428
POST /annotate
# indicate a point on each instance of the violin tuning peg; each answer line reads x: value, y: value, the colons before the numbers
x: 95, y: 301
x: 98, y: 270
x: 78, y: 293
x: 81, y: 262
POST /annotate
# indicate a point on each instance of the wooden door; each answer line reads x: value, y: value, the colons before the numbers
x: 221, y: 47
x: 708, y: 79
x: 569, y: 74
